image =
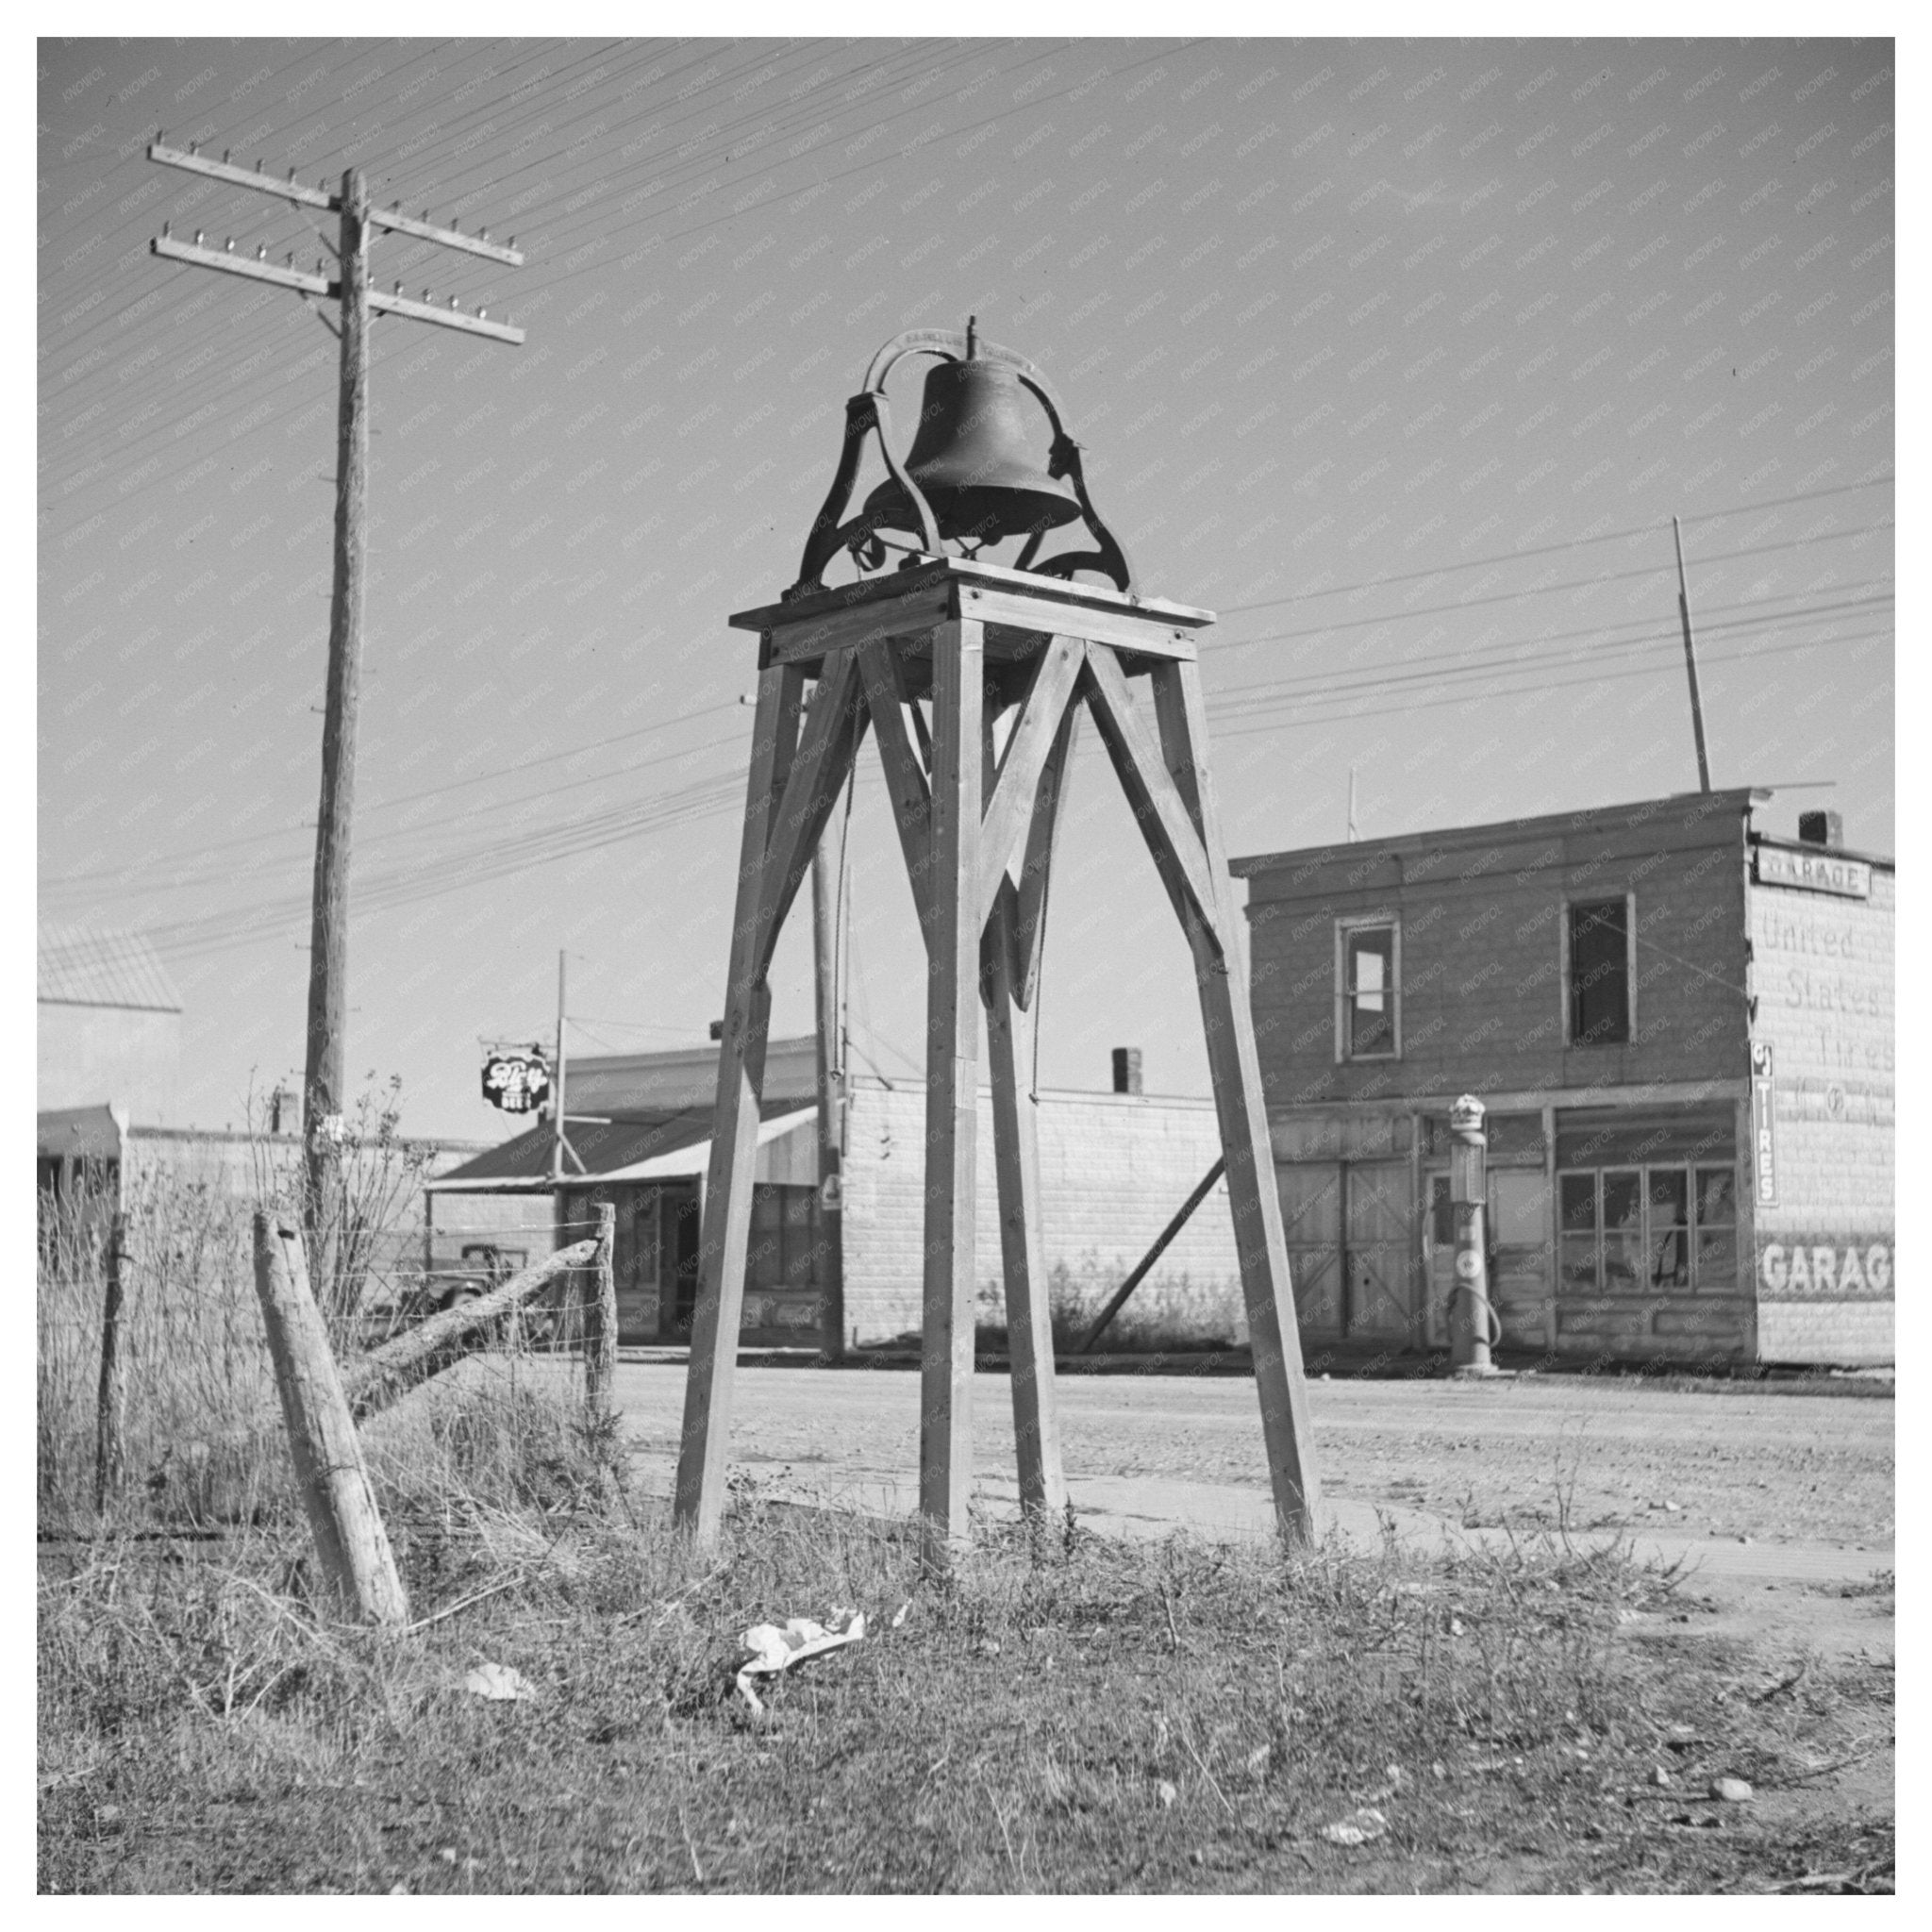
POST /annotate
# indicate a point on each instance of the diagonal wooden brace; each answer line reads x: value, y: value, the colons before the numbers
x: 834, y: 726
x: 1015, y: 792
x: 905, y: 782
x: 1028, y: 928
x: 1157, y: 806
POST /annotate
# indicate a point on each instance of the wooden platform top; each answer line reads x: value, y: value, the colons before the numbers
x: 959, y: 571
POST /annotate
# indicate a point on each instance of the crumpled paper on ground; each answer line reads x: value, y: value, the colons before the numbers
x: 499, y: 1683
x: 776, y: 1647
x: 1357, y: 1828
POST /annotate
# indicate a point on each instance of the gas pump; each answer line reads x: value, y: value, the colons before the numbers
x: 1473, y: 1327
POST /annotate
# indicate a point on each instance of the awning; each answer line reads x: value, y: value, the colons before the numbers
x: 642, y: 1147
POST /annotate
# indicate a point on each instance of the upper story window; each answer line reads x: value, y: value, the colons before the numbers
x: 1599, y: 990
x: 1368, y: 965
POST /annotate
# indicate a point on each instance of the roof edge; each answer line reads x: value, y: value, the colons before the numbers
x: 1739, y: 797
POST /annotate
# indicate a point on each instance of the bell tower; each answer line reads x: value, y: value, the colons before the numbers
x: 929, y: 657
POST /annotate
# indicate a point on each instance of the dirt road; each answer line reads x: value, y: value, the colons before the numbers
x: 1754, y: 1482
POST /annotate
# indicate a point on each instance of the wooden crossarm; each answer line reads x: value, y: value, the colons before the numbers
x: 1157, y: 806
x: 905, y: 782
x: 306, y: 284
x: 1015, y: 794
x: 834, y: 726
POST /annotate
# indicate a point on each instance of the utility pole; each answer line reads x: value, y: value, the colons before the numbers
x: 322, y: 1083
x: 1691, y: 661
x: 557, y: 1139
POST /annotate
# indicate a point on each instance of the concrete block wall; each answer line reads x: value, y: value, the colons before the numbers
x: 1113, y: 1170
x: 1822, y: 974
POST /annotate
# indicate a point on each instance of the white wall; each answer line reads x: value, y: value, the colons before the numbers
x: 1113, y: 1170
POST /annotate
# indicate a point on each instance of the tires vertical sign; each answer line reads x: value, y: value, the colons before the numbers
x: 1764, y: 1125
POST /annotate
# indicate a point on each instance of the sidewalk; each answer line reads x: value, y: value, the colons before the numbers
x: 1156, y: 1507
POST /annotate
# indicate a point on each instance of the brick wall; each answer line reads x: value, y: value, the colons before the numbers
x: 1113, y: 1168
x: 1822, y: 974
x: 1482, y: 990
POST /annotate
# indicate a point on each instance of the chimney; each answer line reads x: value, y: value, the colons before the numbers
x: 1826, y: 828
x: 1126, y: 1069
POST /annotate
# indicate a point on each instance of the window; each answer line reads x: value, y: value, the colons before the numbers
x: 1640, y: 1231
x: 1717, y: 1227
x: 784, y: 1225
x: 1599, y: 934
x: 1369, y: 958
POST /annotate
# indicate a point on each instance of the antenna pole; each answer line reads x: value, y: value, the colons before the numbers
x: 1691, y: 661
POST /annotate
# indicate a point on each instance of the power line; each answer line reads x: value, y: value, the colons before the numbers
x: 1552, y: 549
x: 1497, y: 693
x: 1597, y: 632
x: 413, y: 797
x: 1304, y: 690
x: 1647, y: 570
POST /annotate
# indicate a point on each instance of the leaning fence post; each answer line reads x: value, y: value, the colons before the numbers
x: 349, y: 1537
x: 600, y: 1320
x: 113, y: 1382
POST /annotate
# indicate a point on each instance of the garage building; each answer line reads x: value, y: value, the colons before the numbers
x: 1682, y: 1029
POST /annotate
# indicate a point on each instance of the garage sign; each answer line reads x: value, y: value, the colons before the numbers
x: 517, y: 1082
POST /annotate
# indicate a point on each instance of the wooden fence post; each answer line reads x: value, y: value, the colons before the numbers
x: 600, y: 1321
x: 350, y: 1541
x: 114, y: 1375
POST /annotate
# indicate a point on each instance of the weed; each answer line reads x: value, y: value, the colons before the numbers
x: 1086, y: 1716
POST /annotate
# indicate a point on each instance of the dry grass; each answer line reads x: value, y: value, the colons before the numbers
x: 1167, y: 1312
x: 199, y: 1423
x: 1059, y: 1713
x: 1056, y: 1712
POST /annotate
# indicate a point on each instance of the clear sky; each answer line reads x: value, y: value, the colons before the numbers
x: 1399, y: 354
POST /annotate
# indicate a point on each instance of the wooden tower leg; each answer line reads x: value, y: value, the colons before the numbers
x: 951, y: 1058
x: 1009, y: 1030
x: 1220, y: 974
x: 701, y: 1451
x: 1014, y: 941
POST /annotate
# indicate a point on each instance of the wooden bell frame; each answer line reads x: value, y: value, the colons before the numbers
x: 971, y: 639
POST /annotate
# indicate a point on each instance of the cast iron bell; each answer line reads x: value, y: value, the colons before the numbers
x: 974, y: 461
x: 972, y: 474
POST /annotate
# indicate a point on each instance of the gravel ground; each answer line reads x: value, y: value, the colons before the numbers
x: 1770, y: 1467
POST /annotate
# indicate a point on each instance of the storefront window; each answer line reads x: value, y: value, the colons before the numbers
x: 783, y: 1234
x: 1717, y: 1227
x: 1635, y: 1230
x: 1623, y: 1232
x: 1577, y: 1196
x: 1670, y: 1228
